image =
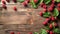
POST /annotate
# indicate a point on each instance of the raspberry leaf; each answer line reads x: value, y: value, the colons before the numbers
x: 36, y: 33
x: 57, y: 0
x: 55, y: 12
x: 46, y: 14
x: 47, y: 1
x: 56, y: 30
x: 21, y: 1
x: 43, y: 31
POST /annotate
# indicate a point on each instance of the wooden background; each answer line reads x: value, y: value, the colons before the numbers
x: 20, y: 21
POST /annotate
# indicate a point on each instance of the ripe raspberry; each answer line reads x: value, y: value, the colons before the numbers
x: 25, y: 3
x: 45, y: 23
x: 30, y: 33
x: 35, y: 1
x: 52, y: 18
x: 52, y: 5
x: 15, y: 9
x: 4, y: 6
x: 50, y: 26
x: 51, y: 32
x: 8, y: 1
x: 58, y: 9
x: 3, y: 2
x: 44, y: 6
x: 50, y: 9
x: 47, y: 31
x: 40, y: 13
x: 55, y: 24
x: 58, y: 4
x: 11, y: 32
x: 44, y: 10
x: 15, y: 1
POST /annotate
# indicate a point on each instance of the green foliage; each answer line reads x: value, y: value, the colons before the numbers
x: 21, y: 1
x: 55, y: 12
x: 35, y: 5
x: 57, y: 0
x: 43, y: 31
x: 36, y: 33
x: 46, y: 14
x: 47, y: 1
x: 56, y: 30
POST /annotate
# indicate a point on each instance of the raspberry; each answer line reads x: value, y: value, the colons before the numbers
x: 4, y: 6
x: 15, y: 1
x: 8, y: 1
x: 25, y: 3
x: 50, y: 9
x: 44, y: 6
x: 45, y: 23
x: 58, y: 4
x: 52, y: 18
x: 40, y: 13
x: 47, y: 31
x: 35, y: 1
x: 44, y: 10
x: 55, y: 24
x: 15, y: 8
x: 50, y: 26
x: 3, y: 2
x: 11, y: 32
x: 51, y: 32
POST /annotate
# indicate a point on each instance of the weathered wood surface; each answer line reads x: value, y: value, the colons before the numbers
x: 20, y: 21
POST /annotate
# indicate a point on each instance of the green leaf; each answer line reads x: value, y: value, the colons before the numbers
x: 46, y: 14
x: 47, y: 27
x: 55, y: 12
x: 57, y: 0
x: 39, y: 2
x: 43, y: 31
x: 21, y: 1
x: 36, y: 33
x: 56, y: 30
x: 47, y: 1
x: 33, y: 4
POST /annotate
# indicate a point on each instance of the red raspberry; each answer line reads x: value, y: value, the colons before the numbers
x: 25, y: 3
x: 8, y: 1
x: 50, y: 9
x: 15, y: 9
x: 51, y: 32
x: 52, y: 18
x: 45, y: 23
x: 40, y: 13
x: 11, y: 32
x: 28, y: 1
x: 58, y: 4
x: 35, y: 1
x: 44, y: 10
x: 44, y: 6
x: 52, y: 5
x: 47, y: 31
x: 55, y: 24
x: 15, y: 1
x: 58, y: 9
x: 50, y: 26
x: 4, y: 6
x: 47, y: 19
x: 18, y: 32
x: 30, y: 33
x: 3, y: 2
